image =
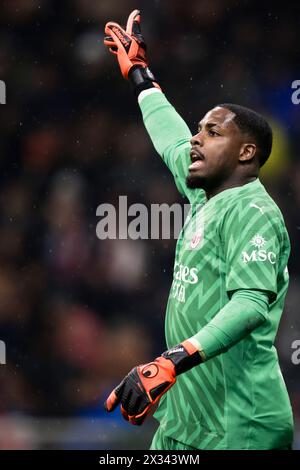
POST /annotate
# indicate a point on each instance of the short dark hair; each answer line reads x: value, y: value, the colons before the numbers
x: 255, y: 125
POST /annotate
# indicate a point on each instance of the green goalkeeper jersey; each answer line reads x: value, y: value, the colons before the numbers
x: 235, y: 240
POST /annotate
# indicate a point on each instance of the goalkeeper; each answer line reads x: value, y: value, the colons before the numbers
x: 219, y: 385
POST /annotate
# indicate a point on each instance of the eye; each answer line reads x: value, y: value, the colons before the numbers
x: 212, y: 133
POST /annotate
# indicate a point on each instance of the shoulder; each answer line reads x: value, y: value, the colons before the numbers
x: 252, y: 211
x: 252, y: 202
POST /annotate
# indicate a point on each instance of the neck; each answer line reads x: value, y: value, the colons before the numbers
x: 233, y: 182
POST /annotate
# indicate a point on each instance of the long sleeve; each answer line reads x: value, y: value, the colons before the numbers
x: 170, y: 136
x: 246, y: 311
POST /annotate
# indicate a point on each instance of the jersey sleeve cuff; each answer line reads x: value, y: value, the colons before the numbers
x: 145, y: 93
x: 198, y: 346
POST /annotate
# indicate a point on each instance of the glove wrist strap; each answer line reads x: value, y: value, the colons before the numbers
x: 183, y: 359
x: 142, y: 79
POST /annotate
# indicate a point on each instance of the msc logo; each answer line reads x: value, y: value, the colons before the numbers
x: 259, y: 255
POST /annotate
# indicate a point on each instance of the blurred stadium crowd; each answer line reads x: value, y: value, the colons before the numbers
x: 76, y: 313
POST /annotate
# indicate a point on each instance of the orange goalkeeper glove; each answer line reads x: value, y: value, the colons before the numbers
x: 130, y: 48
x: 145, y: 384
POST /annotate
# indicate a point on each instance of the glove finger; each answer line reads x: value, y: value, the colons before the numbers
x: 133, y: 17
x: 138, y: 419
x: 114, y: 398
x: 136, y: 32
x: 118, y: 34
x: 124, y: 413
x: 126, y: 399
x: 133, y: 421
x: 134, y: 404
x: 138, y: 404
x: 111, y: 402
x: 109, y: 42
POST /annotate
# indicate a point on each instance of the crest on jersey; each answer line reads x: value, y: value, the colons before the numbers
x: 196, y: 240
x: 194, y: 229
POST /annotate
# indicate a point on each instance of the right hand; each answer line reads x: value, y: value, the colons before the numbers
x: 129, y: 46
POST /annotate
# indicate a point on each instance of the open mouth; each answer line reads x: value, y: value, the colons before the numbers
x: 197, y: 159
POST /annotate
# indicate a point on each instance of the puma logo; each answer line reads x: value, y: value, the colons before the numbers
x: 261, y: 209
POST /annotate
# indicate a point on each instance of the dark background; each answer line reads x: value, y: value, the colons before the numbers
x: 77, y: 313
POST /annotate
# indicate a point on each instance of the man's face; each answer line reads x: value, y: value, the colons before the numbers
x: 215, y: 150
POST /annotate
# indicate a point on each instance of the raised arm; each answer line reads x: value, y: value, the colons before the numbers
x: 170, y: 135
x: 168, y: 132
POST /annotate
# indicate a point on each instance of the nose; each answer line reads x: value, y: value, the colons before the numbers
x: 197, y: 139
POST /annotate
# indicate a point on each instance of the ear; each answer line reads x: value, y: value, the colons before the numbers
x: 247, y: 152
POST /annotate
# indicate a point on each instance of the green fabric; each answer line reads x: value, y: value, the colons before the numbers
x: 161, y: 441
x: 235, y: 241
x: 245, y: 312
x: 171, y: 139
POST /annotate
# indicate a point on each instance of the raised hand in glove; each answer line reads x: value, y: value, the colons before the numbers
x: 130, y: 48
